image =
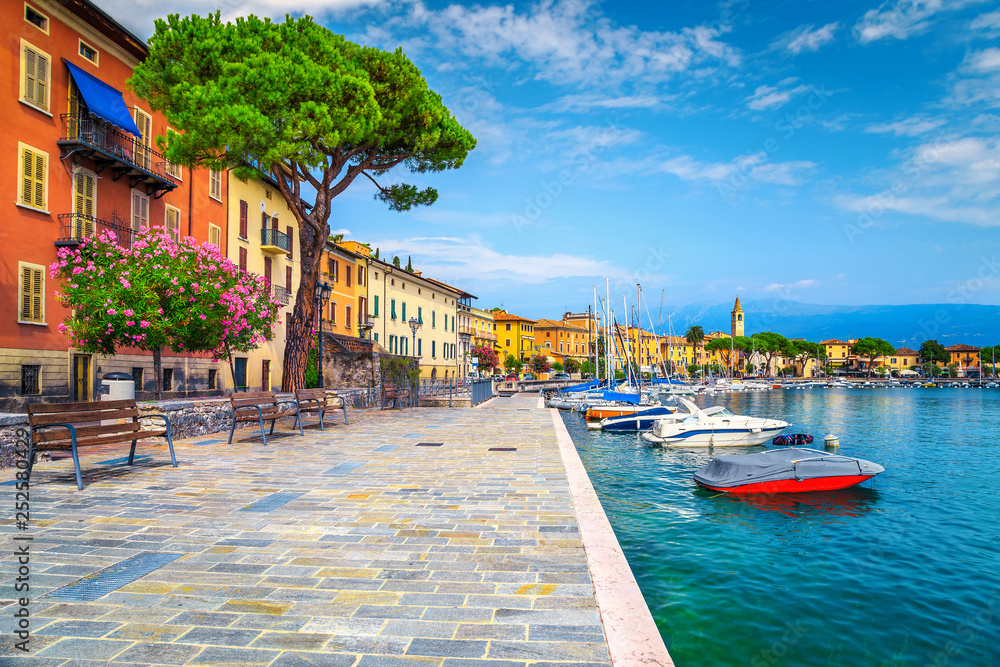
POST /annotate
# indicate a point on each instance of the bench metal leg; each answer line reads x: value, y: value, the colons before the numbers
x: 131, y: 453
x: 322, y: 427
x: 271, y: 432
x: 300, y: 423
x: 170, y: 444
x: 262, y: 434
x: 344, y: 408
x: 31, y: 459
x: 76, y: 465
x: 231, y: 431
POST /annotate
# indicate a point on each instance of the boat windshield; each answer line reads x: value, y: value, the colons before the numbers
x: 717, y: 411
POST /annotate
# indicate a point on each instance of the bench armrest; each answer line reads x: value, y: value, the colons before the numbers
x: 166, y: 421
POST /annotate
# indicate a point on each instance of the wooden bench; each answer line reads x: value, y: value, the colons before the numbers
x: 259, y: 406
x: 69, y: 426
x: 395, y: 394
x: 316, y: 400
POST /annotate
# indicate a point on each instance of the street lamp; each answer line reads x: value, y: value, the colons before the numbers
x: 465, y: 353
x: 321, y: 297
x: 414, y: 325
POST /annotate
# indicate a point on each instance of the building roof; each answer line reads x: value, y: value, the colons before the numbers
x: 832, y: 341
x: 737, y: 308
x: 99, y: 20
x: 545, y: 323
x: 962, y: 348
x: 906, y: 350
x: 500, y: 315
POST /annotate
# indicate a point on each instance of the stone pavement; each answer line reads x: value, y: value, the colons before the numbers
x: 400, y: 539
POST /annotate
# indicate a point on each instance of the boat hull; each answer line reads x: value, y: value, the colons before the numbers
x: 598, y: 413
x: 717, y: 438
x: 794, y: 485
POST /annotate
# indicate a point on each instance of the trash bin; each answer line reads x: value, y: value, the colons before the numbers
x: 120, y: 387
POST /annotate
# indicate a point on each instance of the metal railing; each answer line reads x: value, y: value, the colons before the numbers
x: 272, y: 237
x: 475, y: 390
x: 282, y: 294
x: 76, y: 227
x: 121, y: 146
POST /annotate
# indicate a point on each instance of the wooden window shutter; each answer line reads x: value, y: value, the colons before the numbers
x: 263, y: 219
x: 267, y: 270
x: 215, y: 236
x: 347, y: 316
x: 243, y: 260
x: 347, y: 274
x: 33, y: 178
x: 36, y: 77
x: 288, y: 278
x: 291, y: 241
x: 173, y: 222
x: 243, y: 219
x: 32, y: 283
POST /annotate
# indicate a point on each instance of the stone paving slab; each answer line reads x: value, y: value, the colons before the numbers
x: 353, y: 546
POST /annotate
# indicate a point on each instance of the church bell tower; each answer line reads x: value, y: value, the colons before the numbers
x: 736, y: 319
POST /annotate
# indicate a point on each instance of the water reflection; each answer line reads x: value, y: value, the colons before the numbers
x: 854, y: 502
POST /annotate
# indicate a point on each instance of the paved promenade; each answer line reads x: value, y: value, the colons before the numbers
x: 401, y: 539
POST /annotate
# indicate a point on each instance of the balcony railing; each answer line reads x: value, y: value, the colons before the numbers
x: 271, y: 240
x: 76, y: 227
x: 282, y: 294
x: 466, y: 330
x: 89, y: 137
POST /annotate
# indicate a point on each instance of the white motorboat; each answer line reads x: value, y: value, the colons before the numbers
x: 713, y: 427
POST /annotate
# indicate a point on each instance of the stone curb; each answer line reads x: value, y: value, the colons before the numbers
x: 632, y: 635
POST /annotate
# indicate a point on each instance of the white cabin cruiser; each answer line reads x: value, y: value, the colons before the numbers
x: 713, y: 427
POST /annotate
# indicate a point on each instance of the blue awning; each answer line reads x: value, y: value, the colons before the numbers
x: 103, y: 100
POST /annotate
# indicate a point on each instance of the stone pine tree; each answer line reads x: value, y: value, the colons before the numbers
x: 305, y: 106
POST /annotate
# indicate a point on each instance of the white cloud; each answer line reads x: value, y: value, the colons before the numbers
x: 584, y: 103
x: 977, y: 80
x: 805, y: 38
x: 754, y: 167
x: 983, y: 62
x: 990, y: 22
x: 457, y: 259
x: 901, y: 19
x: 784, y: 287
x: 908, y: 127
x: 772, y: 97
x: 344, y: 231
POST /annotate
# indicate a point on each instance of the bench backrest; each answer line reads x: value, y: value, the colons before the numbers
x: 253, y: 398
x: 86, y: 417
x: 316, y: 394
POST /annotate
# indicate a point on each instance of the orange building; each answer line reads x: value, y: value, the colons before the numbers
x: 345, y: 270
x: 966, y: 356
x: 561, y: 338
x: 81, y: 158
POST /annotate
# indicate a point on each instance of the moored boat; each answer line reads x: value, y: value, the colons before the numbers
x: 790, y: 470
x: 713, y: 427
x: 638, y: 421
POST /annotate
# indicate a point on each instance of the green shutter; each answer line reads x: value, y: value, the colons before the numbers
x: 376, y: 306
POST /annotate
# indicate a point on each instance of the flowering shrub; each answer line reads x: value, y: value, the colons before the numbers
x: 540, y: 364
x: 488, y: 359
x: 160, y: 294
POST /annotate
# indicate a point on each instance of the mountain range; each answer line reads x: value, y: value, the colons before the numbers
x: 906, y: 325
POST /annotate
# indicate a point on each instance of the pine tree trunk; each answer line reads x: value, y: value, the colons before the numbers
x: 300, y: 328
x: 157, y: 373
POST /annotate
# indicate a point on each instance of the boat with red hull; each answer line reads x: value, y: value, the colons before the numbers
x: 792, y: 470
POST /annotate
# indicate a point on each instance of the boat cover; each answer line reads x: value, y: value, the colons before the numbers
x: 622, y: 397
x: 579, y: 387
x: 779, y: 464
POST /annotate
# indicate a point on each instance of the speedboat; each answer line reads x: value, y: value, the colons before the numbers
x: 713, y: 427
x: 785, y: 471
x: 638, y: 421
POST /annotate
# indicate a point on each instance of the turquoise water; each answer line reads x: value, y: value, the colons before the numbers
x: 902, y: 571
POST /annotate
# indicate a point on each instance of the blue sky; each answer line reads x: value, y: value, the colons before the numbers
x: 831, y: 153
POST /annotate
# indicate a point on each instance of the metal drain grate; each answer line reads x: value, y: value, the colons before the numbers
x: 112, y: 578
x: 271, y: 502
x: 429, y: 444
x: 502, y: 449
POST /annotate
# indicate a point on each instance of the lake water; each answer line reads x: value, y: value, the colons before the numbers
x: 902, y: 571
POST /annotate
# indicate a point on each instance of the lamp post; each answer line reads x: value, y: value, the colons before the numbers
x: 465, y: 354
x: 321, y: 297
x: 414, y: 325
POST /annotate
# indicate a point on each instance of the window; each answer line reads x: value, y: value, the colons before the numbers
x: 333, y: 312
x: 406, y: 346
x: 34, y: 170
x: 347, y: 275
x: 243, y: 260
x: 433, y: 346
x: 433, y: 318
x: 375, y: 307
x: 142, y: 143
x: 84, y: 186
x: 243, y: 219
x: 347, y: 316
x: 31, y: 308
x: 392, y: 306
x: 265, y: 375
x: 168, y: 379
x: 137, y: 378
x: 335, y: 270
x: 213, y: 378
x: 288, y: 278
x: 30, y: 374
x: 36, y: 18
x: 36, y: 73
x: 214, y: 235
x: 376, y: 337
x: 172, y: 220
x: 508, y: 326
x: 420, y: 347
x: 88, y: 52
x: 140, y: 211
x: 404, y: 311
x: 291, y: 241
x: 215, y: 184
x: 172, y: 169
x: 507, y: 344
x: 420, y: 314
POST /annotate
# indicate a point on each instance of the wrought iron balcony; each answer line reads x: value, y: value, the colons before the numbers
x: 76, y: 227
x: 85, y: 136
x: 273, y: 241
x: 282, y: 294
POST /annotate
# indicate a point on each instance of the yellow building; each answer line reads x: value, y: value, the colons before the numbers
x: 398, y: 299
x: 484, y: 329
x: 515, y: 335
x: 263, y: 239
